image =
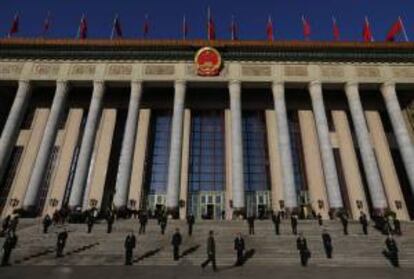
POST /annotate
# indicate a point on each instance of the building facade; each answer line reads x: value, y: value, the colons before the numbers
x: 305, y: 126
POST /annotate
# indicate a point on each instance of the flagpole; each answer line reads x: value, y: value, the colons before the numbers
x: 79, y: 27
x: 369, y: 25
x: 113, y: 27
x: 403, y: 29
x: 184, y: 28
x: 208, y: 23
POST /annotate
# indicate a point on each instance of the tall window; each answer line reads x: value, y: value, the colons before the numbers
x: 207, y: 154
x: 296, y: 148
x: 159, y: 152
x: 256, y: 166
x: 42, y: 195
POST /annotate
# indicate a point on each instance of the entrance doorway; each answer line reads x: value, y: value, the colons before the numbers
x: 207, y: 205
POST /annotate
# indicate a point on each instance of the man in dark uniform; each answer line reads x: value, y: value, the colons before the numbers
x: 211, y: 252
x: 319, y: 217
x: 327, y: 244
x: 129, y: 245
x: 163, y: 223
x: 90, y: 221
x: 61, y: 242
x: 392, y: 251
x: 13, y: 223
x: 276, y: 222
x: 110, y: 219
x: 143, y: 219
x: 176, y: 242
x: 364, y: 222
x: 47, y: 221
x: 344, y: 220
x: 8, y: 245
x: 294, y: 223
x: 5, y: 225
x: 250, y: 221
x: 190, y: 223
x: 304, y: 252
x: 239, y: 247
x: 397, y: 226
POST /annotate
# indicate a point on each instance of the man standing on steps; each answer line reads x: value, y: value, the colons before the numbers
x: 294, y: 223
x: 344, y: 220
x: 143, y: 219
x: 8, y: 245
x: 319, y: 217
x: 302, y: 246
x: 211, y: 252
x: 239, y: 247
x: 61, y: 243
x: 392, y: 251
x: 190, y: 223
x: 47, y: 221
x: 129, y: 245
x: 250, y: 221
x: 176, y: 242
x: 163, y: 222
x: 276, y: 222
x: 364, y: 222
x: 110, y: 219
x: 327, y: 243
x: 90, y: 221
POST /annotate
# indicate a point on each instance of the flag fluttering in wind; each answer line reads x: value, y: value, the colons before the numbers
x: 366, y: 32
x: 234, y: 29
x: 335, y: 30
x: 211, y: 30
x: 146, y: 26
x: 185, y: 28
x: 396, y: 29
x: 15, y: 26
x: 83, y: 28
x: 306, y: 28
x: 116, y: 28
x: 46, y: 24
x: 269, y: 29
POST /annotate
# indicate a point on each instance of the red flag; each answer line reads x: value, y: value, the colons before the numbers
x: 366, y: 32
x: 116, y: 28
x: 185, y: 28
x: 233, y: 29
x: 306, y: 28
x: 211, y: 30
x: 15, y: 25
x: 46, y: 24
x: 83, y: 28
x: 146, y: 26
x: 269, y: 29
x: 396, y: 29
x: 335, y: 29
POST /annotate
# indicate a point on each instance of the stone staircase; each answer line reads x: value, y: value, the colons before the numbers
x: 264, y: 248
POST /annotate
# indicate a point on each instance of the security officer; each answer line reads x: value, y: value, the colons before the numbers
x: 176, y: 242
x: 239, y: 247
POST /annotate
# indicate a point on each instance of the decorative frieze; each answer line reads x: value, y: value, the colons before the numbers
x: 368, y: 72
x: 45, y: 69
x: 119, y: 70
x: 153, y: 70
x: 300, y: 71
x: 332, y: 71
x: 10, y: 69
x: 191, y: 70
x: 82, y: 69
x: 258, y: 71
x: 403, y: 72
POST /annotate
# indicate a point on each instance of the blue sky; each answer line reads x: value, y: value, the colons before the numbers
x: 166, y: 17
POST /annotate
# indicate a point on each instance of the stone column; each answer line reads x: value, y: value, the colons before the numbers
x: 174, y: 166
x: 400, y: 130
x: 328, y: 161
x: 48, y: 140
x: 12, y: 126
x: 236, y: 147
x: 127, y: 149
x: 84, y: 159
x: 369, y: 162
x: 289, y: 189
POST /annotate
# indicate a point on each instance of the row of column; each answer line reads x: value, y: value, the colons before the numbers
x: 376, y: 190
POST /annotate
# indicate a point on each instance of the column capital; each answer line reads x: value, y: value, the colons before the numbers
x: 278, y: 83
x: 180, y: 82
x: 24, y: 81
x: 314, y: 83
x: 99, y: 82
x: 349, y: 84
x: 234, y: 82
x: 62, y: 83
x: 388, y: 84
x: 136, y: 81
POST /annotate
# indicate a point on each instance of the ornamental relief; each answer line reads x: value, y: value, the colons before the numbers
x: 368, y: 72
x: 259, y: 71
x: 300, y: 71
x: 153, y: 70
x: 331, y: 71
x: 403, y: 72
x: 82, y: 70
x: 191, y: 70
x: 45, y: 69
x: 119, y: 70
x: 9, y: 69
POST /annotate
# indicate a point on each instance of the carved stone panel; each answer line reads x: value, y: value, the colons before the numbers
x: 10, y: 69
x: 191, y: 70
x: 368, y: 72
x: 300, y: 71
x: 403, y: 72
x: 332, y: 71
x: 155, y: 70
x: 45, y: 69
x: 259, y: 71
x: 82, y: 69
x: 119, y: 70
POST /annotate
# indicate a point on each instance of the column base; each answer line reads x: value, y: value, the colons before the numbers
x: 336, y: 212
x: 287, y: 212
x: 27, y: 211
x: 239, y: 213
x: 380, y: 212
x: 174, y: 212
x: 122, y: 211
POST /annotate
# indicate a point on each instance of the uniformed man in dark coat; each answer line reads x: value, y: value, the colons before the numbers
x: 397, y: 226
x: 276, y: 222
x: 250, y: 221
x: 327, y: 244
x: 239, y: 247
x: 143, y: 219
x: 5, y: 224
x: 294, y: 223
x: 319, y: 217
x: 211, y: 252
x: 47, y: 222
x: 190, y: 223
x: 61, y: 242
x: 90, y: 220
x: 110, y: 219
x: 8, y: 245
x: 13, y: 223
x: 176, y: 242
x: 344, y: 220
x: 392, y: 251
x: 129, y: 245
x: 163, y: 223
x: 364, y: 222
x: 302, y: 246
